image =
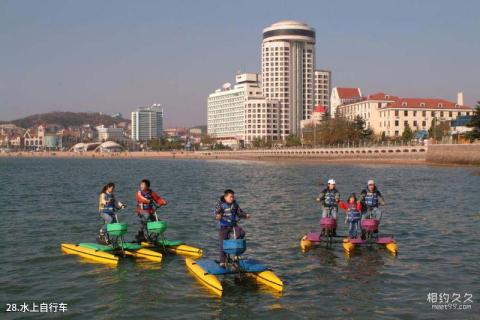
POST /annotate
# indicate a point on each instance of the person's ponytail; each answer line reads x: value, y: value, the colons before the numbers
x: 105, y: 187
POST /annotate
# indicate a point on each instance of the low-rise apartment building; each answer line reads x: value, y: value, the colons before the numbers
x: 389, y: 115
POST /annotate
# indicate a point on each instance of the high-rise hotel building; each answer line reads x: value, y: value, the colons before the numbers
x: 288, y: 68
x: 147, y: 123
x: 271, y: 107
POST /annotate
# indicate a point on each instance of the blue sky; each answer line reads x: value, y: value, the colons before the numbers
x: 114, y: 56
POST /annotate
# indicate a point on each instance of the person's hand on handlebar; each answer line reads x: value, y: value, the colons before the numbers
x: 158, y: 205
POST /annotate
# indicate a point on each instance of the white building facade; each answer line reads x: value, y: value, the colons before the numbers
x: 147, y: 123
x: 323, y: 87
x: 288, y: 64
x: 262, y: 120
x: 238, y: 115
x: 113, y: 133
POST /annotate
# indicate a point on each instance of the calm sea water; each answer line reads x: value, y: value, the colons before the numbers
x: 432, y: 211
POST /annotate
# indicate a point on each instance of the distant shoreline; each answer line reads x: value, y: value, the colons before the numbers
x: 437, y: 155
x: 210, y: 157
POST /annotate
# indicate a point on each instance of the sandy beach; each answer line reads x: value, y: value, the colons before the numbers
x: 398, y: 159
x: 435, y: 155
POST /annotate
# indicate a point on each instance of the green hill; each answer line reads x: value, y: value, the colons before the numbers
x: 67, y: 119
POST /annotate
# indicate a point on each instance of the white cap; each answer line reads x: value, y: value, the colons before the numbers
x: 331, y: 181
x: 370, y: 182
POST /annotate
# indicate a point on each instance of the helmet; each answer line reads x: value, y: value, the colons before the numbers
x: 370, y: 182
x: 331, y: 181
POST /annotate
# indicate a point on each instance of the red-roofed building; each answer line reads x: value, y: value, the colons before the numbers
x: 389, y: 114
x: 318, y: 115
x: 341, y: 96
x: 319, y: 109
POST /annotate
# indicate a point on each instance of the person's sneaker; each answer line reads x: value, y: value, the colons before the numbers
x: 101, y: 239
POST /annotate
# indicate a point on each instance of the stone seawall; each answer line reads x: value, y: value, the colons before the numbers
x: 454, y: 154
x: 416, y: 153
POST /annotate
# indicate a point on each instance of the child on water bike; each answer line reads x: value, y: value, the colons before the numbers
x: 107, y: 205
x: 227, y: 213
x: 146, y: 202
x: 353, y: 210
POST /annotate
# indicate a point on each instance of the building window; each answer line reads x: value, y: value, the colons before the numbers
x: 405, y: 113
x: 396, y: 113
x: 424, y: 113
x: 396, y: 123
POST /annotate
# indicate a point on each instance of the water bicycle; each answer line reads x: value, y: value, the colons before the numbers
x: 152, y: 236
x: 207, y: 270
x: 370, y: 237
x: 328, y: 236
x: 115, y: 247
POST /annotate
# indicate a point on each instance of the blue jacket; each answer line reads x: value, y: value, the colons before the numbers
x: 371, y: 199
x: 107, y: 203
x: 230, y: 213
x: 329, y: 198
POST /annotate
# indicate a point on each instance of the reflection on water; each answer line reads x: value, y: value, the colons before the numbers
x: 438, y: 250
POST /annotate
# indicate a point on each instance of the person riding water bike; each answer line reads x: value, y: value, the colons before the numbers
x: 353, y: 209
x: 227, y: 212
x: 146, y: 202
x: 371, y: 199
x: 107, y: 205
x: 329, y: 198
